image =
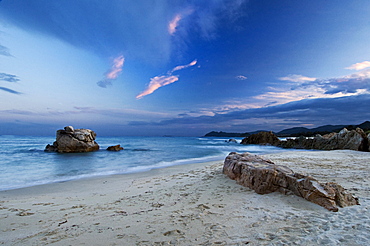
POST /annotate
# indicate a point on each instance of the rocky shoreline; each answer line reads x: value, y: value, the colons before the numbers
x: 345, y: 139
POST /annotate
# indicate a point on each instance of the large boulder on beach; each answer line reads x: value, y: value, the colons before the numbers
x: 264, y: 176
x: 72, y: 140
x: 263, y: 138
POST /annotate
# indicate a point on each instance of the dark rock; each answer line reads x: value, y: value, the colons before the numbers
x: 345, y: 139
x: 72, y: 140
x: 231, y: 140
x: 115, y: 148
x: 264, y: 177
x: 353, y: 140
x: 264, y: 138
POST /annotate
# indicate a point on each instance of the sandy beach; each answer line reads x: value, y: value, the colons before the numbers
x: 190, y: 205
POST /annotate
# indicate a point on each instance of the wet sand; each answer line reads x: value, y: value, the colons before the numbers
x: 190, y: 205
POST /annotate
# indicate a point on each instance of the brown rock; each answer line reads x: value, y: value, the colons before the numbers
x: 115, y: 148
x: 265, y: 138
x: 264, y: 177
x: 72, y: 140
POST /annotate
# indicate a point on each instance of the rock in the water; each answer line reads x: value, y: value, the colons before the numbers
x: 115, y: 148
x: 72, y: 140
x: 264, y: 177
x: 231, y: 140
x: 264, y: 138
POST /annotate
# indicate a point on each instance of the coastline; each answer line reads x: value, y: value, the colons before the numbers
x: 192, y: 204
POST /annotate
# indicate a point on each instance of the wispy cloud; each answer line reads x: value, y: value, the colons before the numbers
x: 4, y: 51
x: 116, y: 68
x: 183, y: 66
x: 121, y: 25
x: 160, y: 81
x: 297, y: 78
x: 309, y: 88
x: 318, y: 111
x: 9, y: 77
x: 156, y: 83
x: 172, y: 26
x: 241, y: 77
x: 9, y: 90
x: 113, y: 72
x: 359, y: 65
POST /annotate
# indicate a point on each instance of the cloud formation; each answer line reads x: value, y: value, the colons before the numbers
x: 359, y: 65
x: 9, y: 77
x: 160, y: 81
x: 120, y: 25
x: 316, y: 111
x: 4, y: 51
x: 241, y: 77
x: 113, y: 73
x: 296, y: 78
x: 9, y: 90
x: 173, y: 24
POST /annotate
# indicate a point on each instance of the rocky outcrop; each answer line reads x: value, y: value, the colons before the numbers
x: 264, y: 176
x: 352, y: 140
x: 72, y: 140
x: 115, y: 148
x: 264, y: 138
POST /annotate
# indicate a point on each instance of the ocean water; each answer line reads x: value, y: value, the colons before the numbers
x: 24, y: 163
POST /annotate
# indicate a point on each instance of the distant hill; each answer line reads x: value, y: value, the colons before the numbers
x: 296, y: 131
x: 299, y: 131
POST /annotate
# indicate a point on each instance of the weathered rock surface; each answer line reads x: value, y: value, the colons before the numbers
x: 264, y: 177
x: 353, y: 140
x: 264, y: 138
x: 72, y: 140
x: 115, y: 148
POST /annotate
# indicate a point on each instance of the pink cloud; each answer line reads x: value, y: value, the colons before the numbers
x: 116, y: 68
x: 174, y: 24
x: 160, y: 81
x: 183, y: 66
x: 359, y: 66
x: 156, y: 83
x: 113, y: 72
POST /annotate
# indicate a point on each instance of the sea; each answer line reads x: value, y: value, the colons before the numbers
x: 24, y: 163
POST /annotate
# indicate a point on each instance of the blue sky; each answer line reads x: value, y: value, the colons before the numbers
x: 183, y: 68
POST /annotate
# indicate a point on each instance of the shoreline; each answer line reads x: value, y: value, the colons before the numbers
x: 192, y: 204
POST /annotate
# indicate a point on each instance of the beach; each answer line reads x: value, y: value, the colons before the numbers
x: 193, y: 204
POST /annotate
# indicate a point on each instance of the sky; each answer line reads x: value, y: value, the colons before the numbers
x: 182, y: 67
